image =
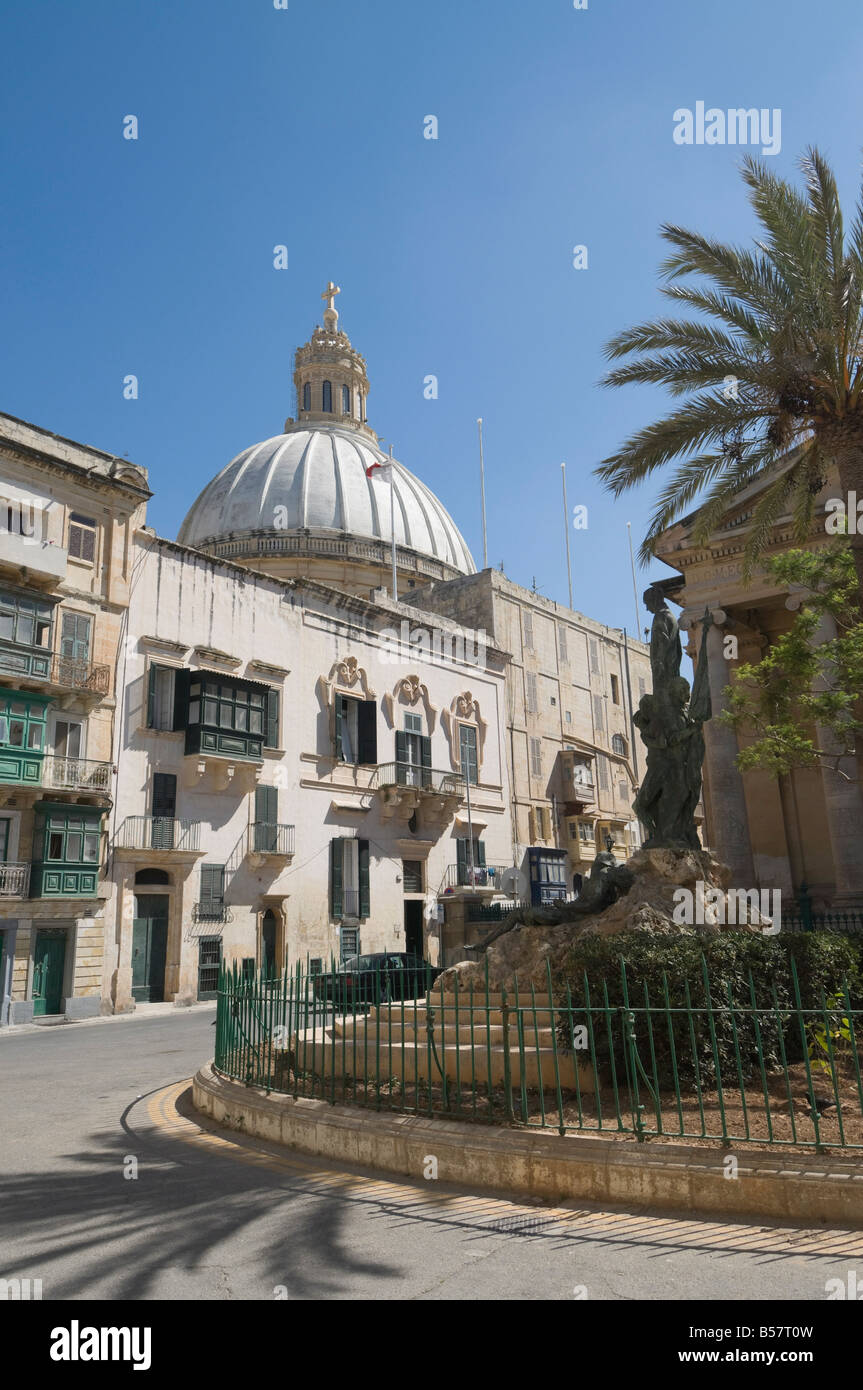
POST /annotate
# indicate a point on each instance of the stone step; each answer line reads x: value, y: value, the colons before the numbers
x: 415, y: 1066
x: 393, y: 1034
x: 542, y: 1017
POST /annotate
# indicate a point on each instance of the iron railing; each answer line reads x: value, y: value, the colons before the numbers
x: 80, y: 675
x: 266, y: 838
x: 211, y: 910
x: 427, y: 779
x: 478, y: 876
x: 14, y: 880
x: 76, y: 774
x: 159, y: 833
x: 768, y: 1072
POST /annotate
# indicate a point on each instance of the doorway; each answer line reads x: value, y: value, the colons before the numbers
x: 414, y: 926
x: 268, y: 943
x: 149, y: 947
x: 49, y: 963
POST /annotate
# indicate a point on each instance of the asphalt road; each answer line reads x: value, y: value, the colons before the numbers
x: 212, y: 1217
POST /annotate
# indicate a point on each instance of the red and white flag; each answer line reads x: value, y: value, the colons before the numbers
x: 386, y: 470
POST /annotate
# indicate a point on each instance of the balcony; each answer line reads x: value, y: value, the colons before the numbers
x: 76, y: 775
x: 479, y: 878
x: 405, y: 787
x: 269, y: 841
x: 49, y: 671
x: 42, y: 561
x: 146, y: 836
x: 14, y: 880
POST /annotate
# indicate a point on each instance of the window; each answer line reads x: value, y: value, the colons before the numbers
x: 346, y: 400
x: 212, y: 901
x: 412, y: 875
x: 471, y: 868
x: 569, y: 716
x: 594, y: 655
x: 68, y: 738
x: 75, y: 637
x: 160, y: 697
x: 642, y: 687
x: 535, y: 757
x: 573, y: 830
x: 622, y: 789
x: 265, y: 837
x: 602, y: 772
x: 23, y: 721
x: 586, y: 833
x: 618, y: 745
x: 561, y: 642
x: 356, y: 733
x: 226, y: 715
x: 307, y: 396
x: 349, y: 878
x: 413, y: 754
x: 532, y: 703
x: 598, y: 713
x: 82, y: 538
x: 25, y: 623
x: 554, y: 700
x: 349, y: 943
x: 327, y: 396
x: 468, y: 760
x: 615, y: 690
x: 527, y: 618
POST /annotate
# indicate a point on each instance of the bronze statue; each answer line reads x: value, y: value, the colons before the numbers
x: 671, y: 721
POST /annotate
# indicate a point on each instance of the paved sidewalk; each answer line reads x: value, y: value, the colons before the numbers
x: 142, y: 1011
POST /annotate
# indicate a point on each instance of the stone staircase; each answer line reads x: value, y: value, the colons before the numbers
x: 416, y: 1041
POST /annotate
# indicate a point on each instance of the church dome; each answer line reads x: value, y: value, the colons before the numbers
x: 303, y: 501
x: 314, y: 481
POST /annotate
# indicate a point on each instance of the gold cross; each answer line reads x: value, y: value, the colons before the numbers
x: 329, y: 295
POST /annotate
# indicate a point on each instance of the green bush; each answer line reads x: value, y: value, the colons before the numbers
x: 739, y: 965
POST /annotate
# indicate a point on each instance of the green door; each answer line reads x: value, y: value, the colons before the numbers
x: 149, y: 947
x: 49, y: 959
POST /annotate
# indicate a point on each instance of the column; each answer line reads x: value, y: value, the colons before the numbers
x: 728, y: 814
x: 842, y: 802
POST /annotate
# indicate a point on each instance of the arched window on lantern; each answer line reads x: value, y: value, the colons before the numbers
x: 346, y: 400
x: 327, y: 402
x: 307, y: 396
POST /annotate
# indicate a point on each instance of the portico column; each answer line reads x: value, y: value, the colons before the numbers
x: 729, y: 817
x: 842, y: 800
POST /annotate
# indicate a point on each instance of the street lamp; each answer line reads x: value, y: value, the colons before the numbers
x: 609, y: 841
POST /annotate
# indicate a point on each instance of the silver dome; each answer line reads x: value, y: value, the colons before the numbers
x: 315, y: 480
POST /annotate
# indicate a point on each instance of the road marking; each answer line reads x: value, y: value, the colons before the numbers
x: 497, y: 1216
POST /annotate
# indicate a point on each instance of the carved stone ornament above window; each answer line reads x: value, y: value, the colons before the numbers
x: 464, y: 709
x: 410, y: 691
x: 345, y: 675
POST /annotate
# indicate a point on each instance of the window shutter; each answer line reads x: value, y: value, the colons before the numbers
x: 425, y: 760
x: 164, y: 795
x: 267, y: 805
x: 151, y: 696
x: 603, y: 773
x: 272, y: 712
x: 461, y: 859
x: 181, y: 704
x: 367, y: 732
x: 531, y: 693
x: 594, y: 655
x: 531, y: 825
x: 401, y: 755
x: 479, y: 853
x: 597, y: 713
x: 363, y: 861
x: 336, y: 875
x: 337, y: 727
x: 212, y: 885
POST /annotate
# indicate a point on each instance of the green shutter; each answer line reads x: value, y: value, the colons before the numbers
x: 272, y: 719
x: 336, y: 878
x: 425, y: 760
x: 367, y: 732
x: 337, y: 735
x: 267, y: 805
x: 151, y: 697
x: 181, y: 705
x: 363, y: 858
x: 479, y: 853
x: 401, y: 755
x: 212, y: 885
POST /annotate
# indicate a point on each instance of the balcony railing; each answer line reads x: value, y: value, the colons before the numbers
x: 350, y: 902
x: 159, y: 833
x: 14, y: 880
x: 80, y: 675
x: 211, y: 910
x: 427, y: 779
x: 76, y: 774
x: 478, y: 876
x: 266, y: 838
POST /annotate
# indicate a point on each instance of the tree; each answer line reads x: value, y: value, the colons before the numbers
x: 801, y: 683
x: 772, y: 370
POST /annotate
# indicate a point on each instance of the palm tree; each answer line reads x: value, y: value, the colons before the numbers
x: 772, y: 368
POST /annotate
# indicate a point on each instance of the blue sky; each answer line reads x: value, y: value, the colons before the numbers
x: 304, y: 127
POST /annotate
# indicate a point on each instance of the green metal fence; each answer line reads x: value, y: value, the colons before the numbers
x: 693, y: 1063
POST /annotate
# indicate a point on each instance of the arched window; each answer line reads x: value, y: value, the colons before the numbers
x: 618, y: 745
x: 327, y: 403
x: 307, y: 396
x: 346, y: 400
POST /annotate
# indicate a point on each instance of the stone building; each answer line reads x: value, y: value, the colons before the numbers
x: 67, y: 515
x: 775, y: 833
x: 573, y: 754
x: 295, y: 780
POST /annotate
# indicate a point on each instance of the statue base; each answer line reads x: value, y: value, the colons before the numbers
x: 672, y: 892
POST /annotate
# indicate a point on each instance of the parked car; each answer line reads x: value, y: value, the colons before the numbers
x: 377, y: 978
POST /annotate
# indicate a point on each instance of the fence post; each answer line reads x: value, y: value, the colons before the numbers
x: 804, y: 903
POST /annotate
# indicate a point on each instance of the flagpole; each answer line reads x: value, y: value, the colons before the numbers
x: 566, y: 529
x: 393, y: 524
x: 482, y: 492
x: 634, y: 584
